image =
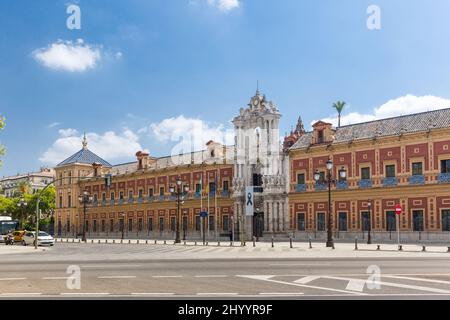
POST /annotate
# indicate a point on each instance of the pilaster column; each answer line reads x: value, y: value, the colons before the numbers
x: 270, y: 205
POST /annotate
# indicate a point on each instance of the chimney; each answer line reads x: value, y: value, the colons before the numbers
x: 97, y: 169
x: 142, y: 159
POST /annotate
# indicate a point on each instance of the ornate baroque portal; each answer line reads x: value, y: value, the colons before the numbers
x: 260, y: 162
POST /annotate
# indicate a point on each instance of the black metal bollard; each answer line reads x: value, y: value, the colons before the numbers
x: 231, y: 243
x: 164, y: 241
x: 254, y: 241
x: 356, y: 243
x: 378, y: 247
x: 448, y: 249
x: 185, y: 243
x: 207, y: 243
x: 138, y: 241
x: 218, y: 243
x: 92, y: 241
x: 424, y: 248
x: 99, y: 241
x: 272, y: 243
x: 195, y: 243
x: 290, y: 242
x: 332, y: 246
x: 310, y: 243
x: 114, y: 241
x: 156, y: 242
x: 129, y: 241
x: 400, y: 248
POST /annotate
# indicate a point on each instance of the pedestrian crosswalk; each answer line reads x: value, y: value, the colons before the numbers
x: 361, y: 285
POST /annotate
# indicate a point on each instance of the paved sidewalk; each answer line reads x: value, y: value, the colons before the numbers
x: 144, y: 250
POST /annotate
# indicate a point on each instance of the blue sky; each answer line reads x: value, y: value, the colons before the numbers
x: 148, y: 69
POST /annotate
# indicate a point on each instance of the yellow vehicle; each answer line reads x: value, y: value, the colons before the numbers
x: 18, y: 236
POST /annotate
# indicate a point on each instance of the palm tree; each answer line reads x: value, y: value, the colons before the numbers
x: 339, y: 106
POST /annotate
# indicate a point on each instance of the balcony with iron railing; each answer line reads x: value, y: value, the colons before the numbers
x: 365, y: 183
x: 390, y: 182
x: 342, y: 185
x: 444, y: 178
x: 225, y: 194
x: 300, y: 188
x: 320, y: 186
x: 417, y: 179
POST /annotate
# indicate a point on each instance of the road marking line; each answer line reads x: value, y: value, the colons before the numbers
x: 211, y: 276
x: 167, y: 276
x: 217, y: 293
x: 116, y: 277
x: 267, y: 278
x: 112, y: 266
x: 356, y: 285
x: 84, y: 293
x: 397, y: 285
x: 418, y: 279
x: 301, y: 264
x: 307, y: 279
x: 55, y: 278
x: 22, y: 294
x: 152, y: 294
x: 281, y: 293
x: 12, y: 279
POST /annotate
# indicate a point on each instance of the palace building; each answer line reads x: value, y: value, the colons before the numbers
x: 403, y: 160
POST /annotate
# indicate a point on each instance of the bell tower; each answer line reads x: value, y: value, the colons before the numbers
x: 260, y: 162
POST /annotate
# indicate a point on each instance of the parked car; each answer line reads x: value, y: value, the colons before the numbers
x: 43, y: 239
x: 18, y: 236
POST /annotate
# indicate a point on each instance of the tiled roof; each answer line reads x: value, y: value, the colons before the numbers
x: 418, y: 122
x: 84, y: 156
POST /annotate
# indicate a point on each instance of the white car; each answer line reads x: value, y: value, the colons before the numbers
x: 43, y: 239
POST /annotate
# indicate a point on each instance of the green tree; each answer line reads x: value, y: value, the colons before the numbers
x: 6, y: 206
x: 46, y: 205
x: 339, y: 106
x: 2, y: 148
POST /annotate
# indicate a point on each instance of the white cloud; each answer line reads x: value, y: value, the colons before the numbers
x: 109, y: 145
x: 67, y: 132
x: 53, y: 124
x: 69, y: 56
x: 190, y: 132
x: 224, y: 5
x: 401, y: 106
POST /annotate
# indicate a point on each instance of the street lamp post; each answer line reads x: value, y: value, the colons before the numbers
x: 85, y: 199
x: 178, y: 192
x: 22, y: 204
x: 329, y: 181
x: 123, y: 224
x: 185, y: 214
x: 369, y: 205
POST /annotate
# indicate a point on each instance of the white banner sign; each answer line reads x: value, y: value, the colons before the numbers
x: 249, y: 201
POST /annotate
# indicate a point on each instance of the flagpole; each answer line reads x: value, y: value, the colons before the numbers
x: 209, y: 190
x: 216, y: 216
x: 201, y: 204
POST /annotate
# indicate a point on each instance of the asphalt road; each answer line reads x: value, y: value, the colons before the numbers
x: 325, y: 278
